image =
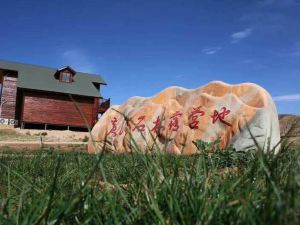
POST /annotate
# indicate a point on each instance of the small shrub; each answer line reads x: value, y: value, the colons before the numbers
x: 207, y: 146
x: 85, y: 139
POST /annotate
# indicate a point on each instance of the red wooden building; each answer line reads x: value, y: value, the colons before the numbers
x: 36, y: 95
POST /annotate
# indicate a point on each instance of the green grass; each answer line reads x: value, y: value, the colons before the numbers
x: 226, y: 187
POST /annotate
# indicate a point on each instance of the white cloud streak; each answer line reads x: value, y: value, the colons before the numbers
x: 78, y: 60
x: 287, y: 98
x: 179, y: 76
x: 238, y: 36
x: 279, y: 3
x: 293, y: 51
x: 211, y: 50
x: 248, y: 61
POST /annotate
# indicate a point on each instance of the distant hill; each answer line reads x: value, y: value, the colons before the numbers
x: 289, y: 125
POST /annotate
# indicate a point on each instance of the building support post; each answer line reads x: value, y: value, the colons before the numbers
x: 22, y: 125
x: 45, y: 126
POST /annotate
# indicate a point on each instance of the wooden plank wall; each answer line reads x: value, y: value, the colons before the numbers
x: 56, y: 109
x: 9, y: 94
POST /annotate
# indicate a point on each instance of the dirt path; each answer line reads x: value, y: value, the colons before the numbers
x: 44, y: 142
x: 10, y: 134
x: 35, y: 145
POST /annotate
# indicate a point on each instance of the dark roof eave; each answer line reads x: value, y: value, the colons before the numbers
x: 56, y: 92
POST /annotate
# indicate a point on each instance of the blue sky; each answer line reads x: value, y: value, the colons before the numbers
x: 141, y: 47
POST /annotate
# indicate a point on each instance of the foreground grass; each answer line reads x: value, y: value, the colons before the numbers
x: 226, y: 187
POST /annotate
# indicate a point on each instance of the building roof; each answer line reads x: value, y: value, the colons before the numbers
x: 43, y: 79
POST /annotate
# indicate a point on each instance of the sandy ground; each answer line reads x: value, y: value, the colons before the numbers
x: 30, y: 139
x: 62, y: 146
x: 56, y: 135
x: 9, y: 134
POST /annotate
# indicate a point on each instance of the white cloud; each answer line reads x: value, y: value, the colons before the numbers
x: 266, y: 2
x: 78, y: 60
x: 279, y: 3
x: 294, y: 54
x: 269, y: 23
x: 263, y: 18
x: 248, y: 61
x: 179, y: 76
x: 287, y: 98
x: 293, y: 51
x: 211, y: 50
x: 236, y: 37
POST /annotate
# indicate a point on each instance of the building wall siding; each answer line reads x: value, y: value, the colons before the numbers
x: 56, y: 109
x: 9, y: 93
